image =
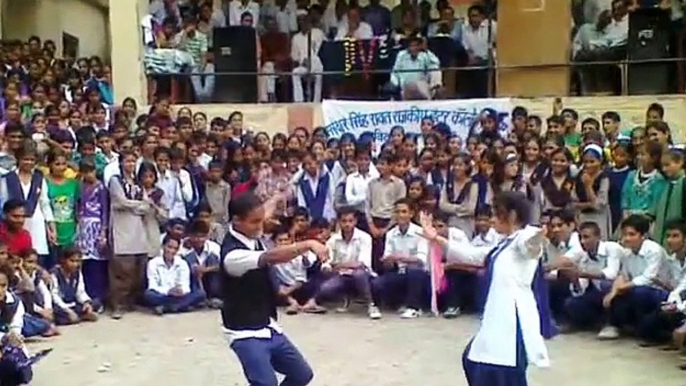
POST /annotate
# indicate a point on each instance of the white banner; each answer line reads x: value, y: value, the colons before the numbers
x: 357, y: 117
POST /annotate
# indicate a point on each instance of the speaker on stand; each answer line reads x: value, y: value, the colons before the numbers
x: 235, y: 50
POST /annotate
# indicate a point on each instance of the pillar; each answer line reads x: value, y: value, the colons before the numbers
x: 533, y: 33
x: 128, y: 75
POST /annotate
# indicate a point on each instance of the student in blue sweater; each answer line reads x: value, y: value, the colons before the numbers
x: 617, y: 175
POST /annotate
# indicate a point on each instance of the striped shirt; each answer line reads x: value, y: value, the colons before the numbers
x: 196, y: 45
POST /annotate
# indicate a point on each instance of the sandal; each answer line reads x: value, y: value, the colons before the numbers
x: 292, y: 310
x: 315, y: 310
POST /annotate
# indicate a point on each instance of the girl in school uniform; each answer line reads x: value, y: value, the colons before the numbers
x: 670, y: 205
x: 554, y: 191
x: 533, y: 166
x: 460, y: 196
x: 27, y: 184
x: 645, y: 185
x: 510, y: 334
x: 415, y: 190
x: 485, y: 165
x: 591, y: 191
x: 315, y: 190
x: 618, y: 175
x: 93, y: 215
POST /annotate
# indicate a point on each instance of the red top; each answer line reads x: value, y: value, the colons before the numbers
x: 17, y: 242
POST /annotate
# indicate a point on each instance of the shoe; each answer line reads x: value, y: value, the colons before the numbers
x: 452, y: 313
x: 159, y: 310
x: 411, y: 313
x: 345, y: 307
x: 402, y: 310
x: 373, y: 312
x: 608, y: 333
x: 215, y: 303
x: 117, y: 313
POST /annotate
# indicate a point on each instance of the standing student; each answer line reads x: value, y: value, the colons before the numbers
x: 510, y: 334
x: 350, y: 250
x: 173, y: 198
x: 63, y: 194
x: 670, y: 205
x: 130, y: 246
x: 71, y: 302
x: 634, y: 292
x: 93, y: 218
x: 592, y: 189
x: 217, y: 193
x: 617, y: 176
x: 249, y: 310
x: 405, y: 259
x: 382, y: 194
x: 595, y: 265
x: 28, y: 185
x: 315, y: 188
x: 460, y: 196
x: 169, y: 282
x: 357, y: 184
x: 643, y: 186
x: 556, y: 186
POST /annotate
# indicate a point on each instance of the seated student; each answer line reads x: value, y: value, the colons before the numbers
x: 11, y: 340
x: 30, y: 287
x: 202, y: 256
x: 406, y: 259
x: 484, y: 234
x: 350, y: 251
x: 169, y: 282
x: 594, y: 268
x: 634, y: 293
x: 562, y: 239
x: 205, y: 214
x: 300, y: 223
x: 12, y: 232
x: 291, y: 279
x: 175, y: 228
x: 461, y: 279
x: 658, y: 326
x: 70, y: 301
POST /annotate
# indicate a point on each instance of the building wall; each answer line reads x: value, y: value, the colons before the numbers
x: 48, y: 19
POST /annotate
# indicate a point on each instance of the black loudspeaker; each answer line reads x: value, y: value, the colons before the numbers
x: 235, y: 50
x: 649, y: 39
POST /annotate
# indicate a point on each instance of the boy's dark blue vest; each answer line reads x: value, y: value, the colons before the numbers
x: 15, y: 192
x: 316, y: 201
x: 249, y: 300
x: 67, y: 286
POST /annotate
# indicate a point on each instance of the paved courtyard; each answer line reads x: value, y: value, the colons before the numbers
x: 188, y: 350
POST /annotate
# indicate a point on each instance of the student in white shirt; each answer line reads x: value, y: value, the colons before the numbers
x: 634, y: 293
x: 355, y: 28
x: 71, y: 303
x: 594, y: 268
x: 462, y: 279
x: 202, y: 256
x: 169, y: 282
x: 350, y: 250
x: 315, y: 188
x: 305, y: 46
x: 357, y: 183
x: 657, y: 327
x: 292, y: 281
x: 406, y: 256
x: 562, y: 239
x: 484, y: 234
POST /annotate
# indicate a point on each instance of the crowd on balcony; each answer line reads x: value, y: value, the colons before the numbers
x: 290, y: 35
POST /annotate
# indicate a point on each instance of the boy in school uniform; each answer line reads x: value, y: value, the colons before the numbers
x: 202, y: 256
x: 634, y: 292
x: 484, y: 234
x: 37, y: 299
x: 562, y: 239
x: 382, y: 194
x: 406, y: 260
x: 315, y: 188
x: 71, y: 303
x: 292, y: 278
x: 658, y: 327
x: 357, y: 184
x: 350, y: 266
x: 217, y: 230
x: 218, y: 193
x: 169, y: 282
x: 593, y: 269
x: 461, y: 279
x: 12, y: 232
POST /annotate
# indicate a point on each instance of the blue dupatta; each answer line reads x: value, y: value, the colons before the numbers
x: 15, y: 191
x: 315, y: 201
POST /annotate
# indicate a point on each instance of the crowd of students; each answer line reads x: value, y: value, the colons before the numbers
x: 113, y: 218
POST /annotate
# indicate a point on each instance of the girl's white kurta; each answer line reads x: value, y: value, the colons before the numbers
x: 510, y: 297
x: 36, y: 224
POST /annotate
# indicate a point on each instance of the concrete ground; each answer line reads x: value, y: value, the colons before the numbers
x: 189, y: 350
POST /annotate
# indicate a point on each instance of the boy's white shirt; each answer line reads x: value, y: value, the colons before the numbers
x: 81, y: 294
x: 17, y: 322
x: 675, y: 294
x: 295, y: 269
x: 489, y: 239
x: 45, y: 293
